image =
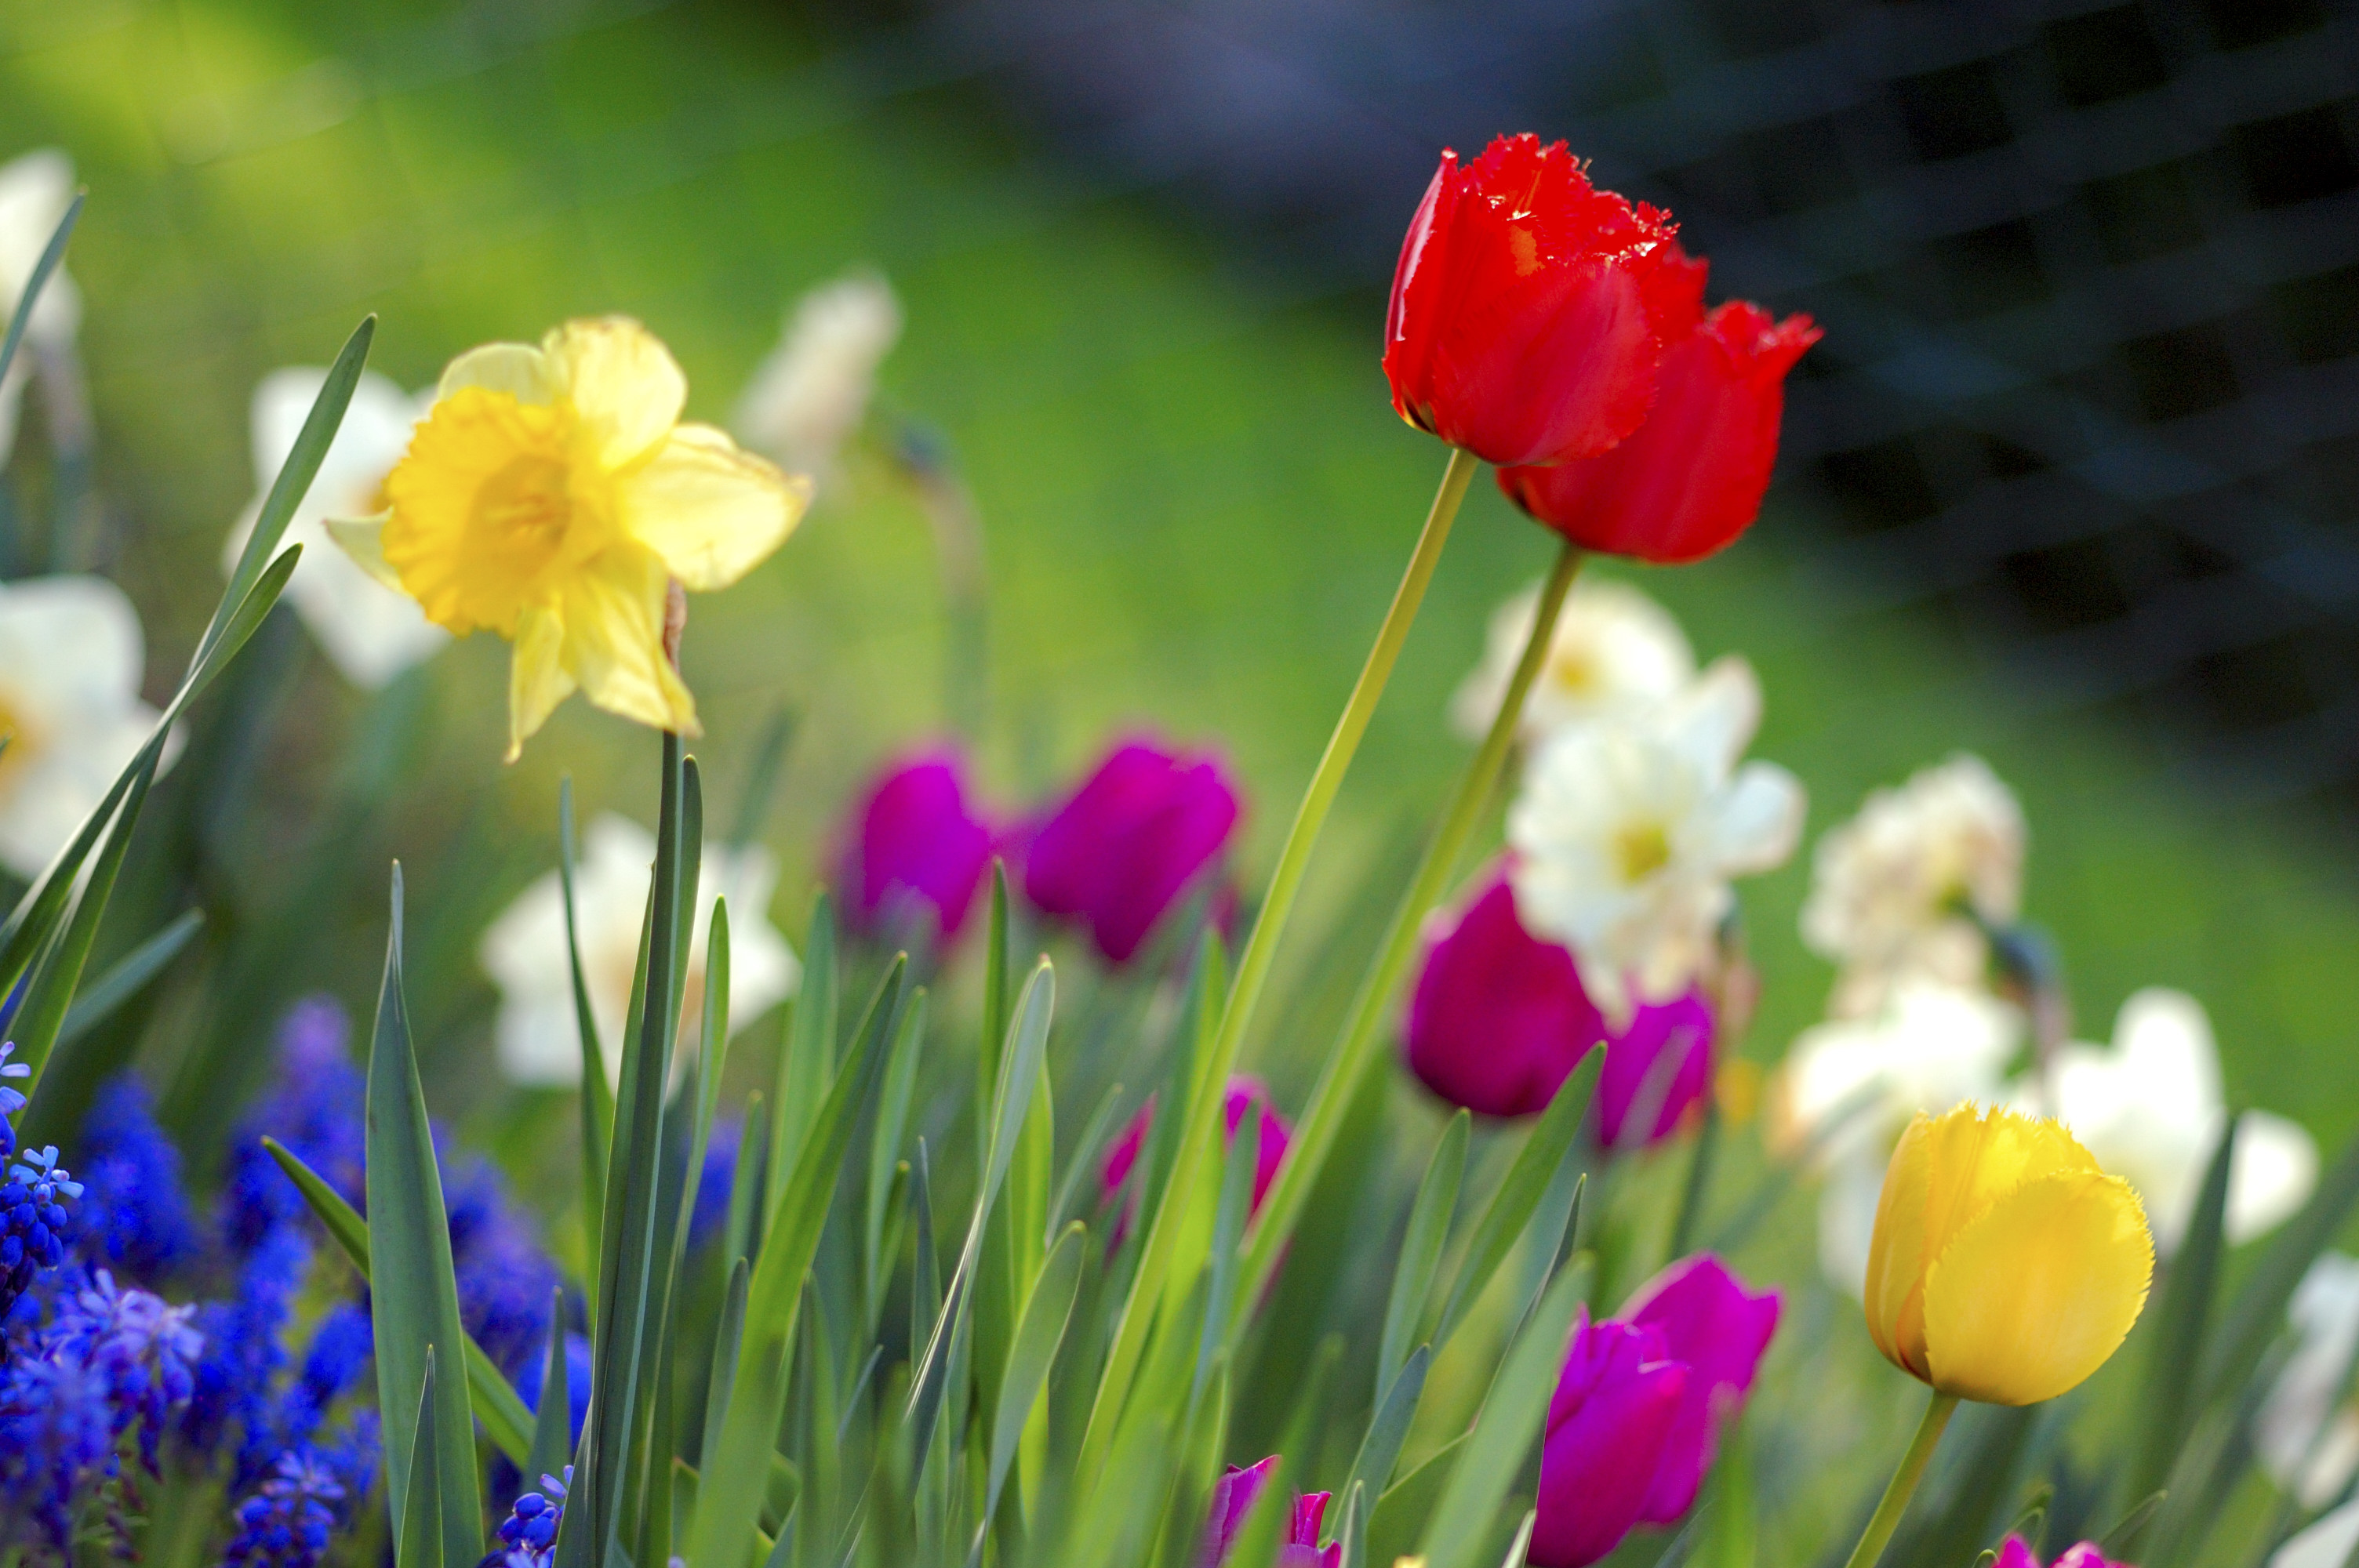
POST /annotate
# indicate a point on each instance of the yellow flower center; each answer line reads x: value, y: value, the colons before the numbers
x: 1571, y: 669
x: 22, y: 741
x: 496, y: 503
x: 1640, y: 850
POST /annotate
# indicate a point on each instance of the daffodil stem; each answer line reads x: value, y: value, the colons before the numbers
x: 1145, y: 1297
x: 1904, y: 1481
x: 1339, y: 1082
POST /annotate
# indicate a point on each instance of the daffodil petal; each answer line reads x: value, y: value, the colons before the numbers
x: 362, y: 538
x: 622, y: 382
x: 2033, y: 1295
x: 614, y: 616
x: 520, y: 370
x: 712, y: 511
x: 538, y: 678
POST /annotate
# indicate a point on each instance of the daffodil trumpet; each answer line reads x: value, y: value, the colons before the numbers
x: 553, y: 495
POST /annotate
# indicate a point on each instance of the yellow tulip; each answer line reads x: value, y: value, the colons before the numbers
x: 552, y: 495
x: 2006, y: 1267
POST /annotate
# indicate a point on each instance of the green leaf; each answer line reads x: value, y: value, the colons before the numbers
x: 807, y: 1057
x: 885, y: 1145
x: 30, y: 295
x: 596, y: 1100
x: 507, y: 1422
x: 413, y: 1294
x: 748, y: 1182
x: 762, y: 778
x: 1229, y: 1211
x: 1729, y: 1515
x: 2258, y: 1311
x: 1087, y: 1158
x: 735, y: 1475
x: 594, y: 1515
x: 1041, y: 1331
x: 1699, y: 1181
x: 728, y: 1336
x: 1547, y: 1150
x: 421, y: 1542
x: 1972, y: 1494
x: 1351, y: 1526
x: 128, y: 976
x: 2180, y: 1321
x: 1511, y: 1419
x: 552, y: 1426
x: 1420, y: 1253
x: 1407, y: 1503
x: 1388, y: 1428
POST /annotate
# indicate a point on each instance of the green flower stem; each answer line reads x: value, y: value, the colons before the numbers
x: 1253, y: 969
x: 1904, y: 1481
x: 1338, y: 1081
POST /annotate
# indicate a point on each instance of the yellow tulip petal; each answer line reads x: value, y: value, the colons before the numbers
x: 2032, y: 1297
x: 1896, y: 1258
x: 614, y: 616
x: 362, y: 538
x: 517, y: 369
x: 622, y: 382
x: 537, y: 680
x: 710, y: 510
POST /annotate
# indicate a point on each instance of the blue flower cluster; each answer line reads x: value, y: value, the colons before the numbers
x: 136, y: 1219
x: 291, y: 1519
x: 528, y: 1535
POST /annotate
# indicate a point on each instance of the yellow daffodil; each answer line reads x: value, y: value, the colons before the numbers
x: 2006, y: 1267
x: 553, y: 496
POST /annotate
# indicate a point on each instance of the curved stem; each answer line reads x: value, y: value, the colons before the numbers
x: 1253, y: 969
x: 1338, y: 1081
x: 1903, y: 1482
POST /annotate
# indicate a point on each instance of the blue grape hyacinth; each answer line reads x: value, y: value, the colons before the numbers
x: 34, y: 1224
x: 289, y: 1520
x: 528, y: 1535
x: 12, y: 1100
x: 135, y: 1219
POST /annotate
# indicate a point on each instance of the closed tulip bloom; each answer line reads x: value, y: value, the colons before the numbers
x: 2015, y: 1553
x: 1499, y: 1018
x: 1720, y: 1330
x: 1689, y: 479
x: 1657, y: 1069
x: 1246, y: 1096
x: 916, y: 844
x: 1233, y: 1496
x: 1129, y: 843
x: 2006, y: 1266
x: 1617, y: 1404
x: 1531, y: 309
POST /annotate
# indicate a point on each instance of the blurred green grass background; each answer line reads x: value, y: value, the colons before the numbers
x: 1197, y: 498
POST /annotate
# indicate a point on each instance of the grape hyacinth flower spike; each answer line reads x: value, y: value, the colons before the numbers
x: 34, y: 1224
x: 528, y: 1535
x: 12, y: 1100
x: 287, y: 1523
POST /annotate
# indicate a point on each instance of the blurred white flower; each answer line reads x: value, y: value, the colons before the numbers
x: 2327, y: 1543
x: 35, y: 191
x: 1894, y: 891
x: 72, y: 656
x: 1849, y: 1086
x: 1614, y: 650
x: 1628, y: 831
x: 2306, y: 1433
x: 809, y: 397
x: 371, y: 633
x: 2149, y: 1108
x: 524, y: 951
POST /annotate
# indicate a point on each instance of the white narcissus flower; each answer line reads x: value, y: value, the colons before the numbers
x: 371, y: 633
x: 1848, y: 1088
x: 1614, y: 650
x: 809, y: 395
x: 525, y: 953
x: 1627, y: 830
x: 2327, y: 1543
x: 1895, y: 890
x: 35, y: 191
x: 71, y: 656
x: 2306, y: 1433
x: 2149, y: 1108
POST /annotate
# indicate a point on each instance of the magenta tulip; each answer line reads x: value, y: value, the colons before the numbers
x: 1661, y: 1060
x: 1617, y: 1404
x: 1127, y: 845
x: 1233, y: 1498
x: 915, y: 846
x: 2015, y: 1553
x: 1720, y: 1330
x: 1498, y: 1017
x: 1246, y: 1095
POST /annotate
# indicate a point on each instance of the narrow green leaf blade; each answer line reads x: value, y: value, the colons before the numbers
x: 420, y: 1543
x: 597, y: 1100
x: 43, y: 1012
x: 1380, y: 1449
x: 808, y: 1055
x: 128, y: 976
x: 1546, y: 1149
x: 552, y: 1426
x: 1420, y: 1253
x: 1038, y: 1338
x: 2258, y: 1311
x: 52, y: 254
x: 2181, y: 1320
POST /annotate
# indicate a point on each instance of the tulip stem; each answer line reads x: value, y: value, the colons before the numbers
x: 1904, y: 1481
x: 1199, y: 1134
x: 1339, y: 1080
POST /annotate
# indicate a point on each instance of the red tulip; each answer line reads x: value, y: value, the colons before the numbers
x: 1532, y: 309
x: 1690, y: 480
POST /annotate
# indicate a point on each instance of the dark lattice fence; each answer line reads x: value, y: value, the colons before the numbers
x: 2090, y: 272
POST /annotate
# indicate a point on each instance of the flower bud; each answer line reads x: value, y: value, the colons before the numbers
x: 915, y: 847
x: 1130, y: 842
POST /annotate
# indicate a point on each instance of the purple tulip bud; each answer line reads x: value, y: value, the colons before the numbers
x: 1710, y: 1322
x: 1499, y: 1017
x: 1615, y: 1405
x: 1126, y: 846
x: 2015, y: 1553
x: 914, y: 845
x: 1662, y: 1060
x: 1233, y: 1498
x: 1245, y: 1093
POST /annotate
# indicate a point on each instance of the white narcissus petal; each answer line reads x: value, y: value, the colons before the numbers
x: 1713, y: 719
x: 71, y: 658
x: 1847, y: 1223
x: 1757, y: 820
x: 809, y: 395
x: 2306, y: 1438
x: 348, y: 598
x: 35, y: 191
x: 2271, y: 1174
x: 1613, y: 651
x: 2325, y: 1544
x: 524, y: 951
